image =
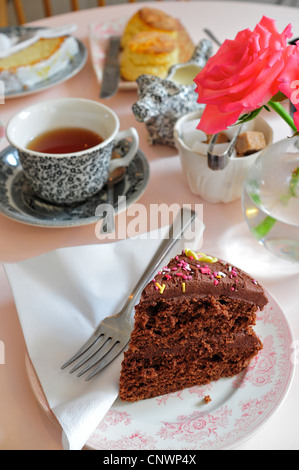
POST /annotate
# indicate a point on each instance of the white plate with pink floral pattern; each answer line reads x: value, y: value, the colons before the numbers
x: 239, y: 406
x: 99, y: 34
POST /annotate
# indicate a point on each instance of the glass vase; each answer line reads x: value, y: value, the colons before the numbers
x: 270, y: 199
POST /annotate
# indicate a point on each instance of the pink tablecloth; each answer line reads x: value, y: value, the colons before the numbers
x: 23, y: 424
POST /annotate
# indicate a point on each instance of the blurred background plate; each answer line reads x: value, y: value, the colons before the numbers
x: 68, y: 72
x: 99, y: 34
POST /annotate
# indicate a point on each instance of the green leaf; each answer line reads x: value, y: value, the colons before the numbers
x: 261, y: 230
x: 249, y: 116
x: 279, y: 97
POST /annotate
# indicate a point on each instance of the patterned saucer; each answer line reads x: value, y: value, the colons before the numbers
x: 18, y: 202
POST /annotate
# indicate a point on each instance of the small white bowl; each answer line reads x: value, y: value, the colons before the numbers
x: 221, y: 185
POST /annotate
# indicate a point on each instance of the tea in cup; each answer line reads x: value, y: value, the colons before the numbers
x: 65, y: 147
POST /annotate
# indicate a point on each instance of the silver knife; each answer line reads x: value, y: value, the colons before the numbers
x: 111, y: 72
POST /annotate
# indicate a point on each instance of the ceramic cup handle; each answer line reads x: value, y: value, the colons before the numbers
x: 124, y: 161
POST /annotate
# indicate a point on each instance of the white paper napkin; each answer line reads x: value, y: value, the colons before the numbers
x: 61, y: 297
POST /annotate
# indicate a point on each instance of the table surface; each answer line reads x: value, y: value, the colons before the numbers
x: 23, y: 425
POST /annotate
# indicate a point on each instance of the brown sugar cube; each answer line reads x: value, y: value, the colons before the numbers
x: 249, y: 142
x: 221, y: 138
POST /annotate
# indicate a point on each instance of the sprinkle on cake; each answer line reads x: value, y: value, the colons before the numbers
x: 186, y: 266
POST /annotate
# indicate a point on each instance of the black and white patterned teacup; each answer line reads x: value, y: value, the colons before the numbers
x: 68, y: 178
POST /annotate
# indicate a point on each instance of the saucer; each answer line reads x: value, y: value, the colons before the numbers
x: 18, y: 202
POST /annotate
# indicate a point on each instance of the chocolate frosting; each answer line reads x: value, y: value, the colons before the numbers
x: 203, y: 275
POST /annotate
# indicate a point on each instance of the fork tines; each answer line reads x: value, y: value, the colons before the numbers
x: 96, y: 354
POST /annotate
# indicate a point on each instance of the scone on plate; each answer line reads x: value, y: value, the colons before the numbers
x: 37, y: 62
x: 150, y: 52
x: 157, y: 21
x: 149, y: 19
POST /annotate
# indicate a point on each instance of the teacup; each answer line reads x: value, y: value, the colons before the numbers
x: 66, y: 178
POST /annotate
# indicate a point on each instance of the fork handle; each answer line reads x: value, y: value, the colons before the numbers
x: 182, y: 221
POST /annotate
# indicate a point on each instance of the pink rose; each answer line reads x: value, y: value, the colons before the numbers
x: 289, y: 80
x: 242, y: 75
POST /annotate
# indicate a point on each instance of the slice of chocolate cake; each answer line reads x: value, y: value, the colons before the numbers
x: 193, y: 325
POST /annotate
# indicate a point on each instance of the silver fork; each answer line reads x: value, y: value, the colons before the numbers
x: 113, y: 333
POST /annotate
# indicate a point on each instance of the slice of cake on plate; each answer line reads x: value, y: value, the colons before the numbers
x: 193, y: 325
x: 36, y: 63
